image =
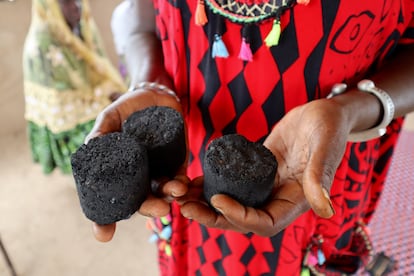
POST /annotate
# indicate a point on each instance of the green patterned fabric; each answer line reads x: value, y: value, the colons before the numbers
x: 54, y: 150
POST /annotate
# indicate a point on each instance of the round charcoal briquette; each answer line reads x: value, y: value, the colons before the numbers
x: 239, y: 168
x: 112, y: 177
x: 161, y: 130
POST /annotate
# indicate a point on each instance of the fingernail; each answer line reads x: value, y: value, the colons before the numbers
x: 217, y: 208
x: 326, y: 195
x: 186, y: 214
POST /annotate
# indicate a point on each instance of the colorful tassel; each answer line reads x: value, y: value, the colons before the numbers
x: 149, y: 224
x: 305, y: 272
x: 219, y: 48
x: 200, y: 14
x: 166, y: 233
x: 272, y: 38
x: 321, y: 257
x: 168, y: 250
x: 161, y: 245
x: 245, y: 51
x: 312, y: 260
x: 166, y: 220
x: 153, y: 238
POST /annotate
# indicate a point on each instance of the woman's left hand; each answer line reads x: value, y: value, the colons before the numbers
x: 309, y: 143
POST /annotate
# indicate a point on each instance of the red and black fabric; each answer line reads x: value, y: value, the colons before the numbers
x: 321, y: 44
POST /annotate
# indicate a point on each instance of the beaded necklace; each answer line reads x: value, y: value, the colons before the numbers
x: 244, y: 12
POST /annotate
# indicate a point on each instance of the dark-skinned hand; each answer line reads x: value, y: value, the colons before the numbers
x: 309, y: 143
x: 110, y: 120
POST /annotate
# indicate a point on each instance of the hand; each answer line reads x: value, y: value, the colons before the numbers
x: 112, y: 117
x: 110, y: 120
x: 309, y: 143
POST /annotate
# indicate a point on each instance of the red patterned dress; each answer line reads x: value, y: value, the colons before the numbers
x: 325, y: 42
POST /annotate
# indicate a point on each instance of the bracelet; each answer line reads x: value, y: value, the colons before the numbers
x: 159, y: 88
x: 387, y: 104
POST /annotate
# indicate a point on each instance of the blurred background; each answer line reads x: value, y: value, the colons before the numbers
x: 42, y: 228
x: 41, y: 224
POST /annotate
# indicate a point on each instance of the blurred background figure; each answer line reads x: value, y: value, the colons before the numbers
x: 68, y: 79
x: 123, y: 22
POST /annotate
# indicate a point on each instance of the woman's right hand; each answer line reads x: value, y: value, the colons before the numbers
x: 110, y: 120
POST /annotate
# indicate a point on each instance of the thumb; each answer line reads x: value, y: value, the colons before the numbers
x: 109, y: 120
x: 103, y: 233
x: 317, y: 180
x: 92, y: 135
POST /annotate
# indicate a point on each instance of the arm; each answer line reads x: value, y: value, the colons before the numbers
x: 144, y: 58
x: 143, y: 52
x: 396, y: 78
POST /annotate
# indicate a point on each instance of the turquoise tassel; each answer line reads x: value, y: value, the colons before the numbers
x: 166, y: 233
x: 321, y: 257
x: 153, y: 238
x: 219, y: 48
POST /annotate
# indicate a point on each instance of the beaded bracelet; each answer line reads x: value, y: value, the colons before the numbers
x: 387, y: 104
x: 159, y: 88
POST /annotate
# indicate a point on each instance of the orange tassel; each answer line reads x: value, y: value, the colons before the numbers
x: 200, y: 14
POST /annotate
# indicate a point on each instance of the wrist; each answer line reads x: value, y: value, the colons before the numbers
x: 387, y: 112
x: 157, y: 88
x: 369, y: 109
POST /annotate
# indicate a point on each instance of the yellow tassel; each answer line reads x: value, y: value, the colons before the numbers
x: 200, y: 14
x: 272, y: 38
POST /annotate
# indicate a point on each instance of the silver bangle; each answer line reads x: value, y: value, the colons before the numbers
x: 160, y: 88
x: 387, y: 104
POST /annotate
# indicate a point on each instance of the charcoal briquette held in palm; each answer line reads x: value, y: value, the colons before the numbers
x: 161, y: 130
x: 239, y: 168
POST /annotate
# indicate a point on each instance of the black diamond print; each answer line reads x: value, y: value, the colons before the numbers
x: 248, y: 255
x: 201, y: 255
x: 222, y: 243
x: 241, y: 100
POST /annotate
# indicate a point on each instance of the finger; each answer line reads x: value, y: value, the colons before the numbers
x: 204, y: 214
x: 106, y: 122
x: 103, y: 233
x: 176, y: 187
x: 194, y: 192
x: 170, y: 189
x: 286, y: 207
x: 247, y: 219
x: 287, y: 203
x: 317, y: 180
x: 154, y: 207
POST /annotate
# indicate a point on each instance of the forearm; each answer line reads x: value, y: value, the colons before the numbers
x: 143, y: 52
x: 396, y: 78
x: 144, y: 59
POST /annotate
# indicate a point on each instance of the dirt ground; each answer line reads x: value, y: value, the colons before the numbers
x: 41, y: 224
